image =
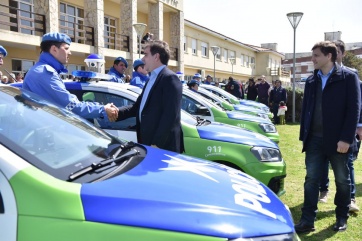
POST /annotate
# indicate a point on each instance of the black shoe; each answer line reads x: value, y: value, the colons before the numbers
x: 303, y: 227
x: 341, y: 225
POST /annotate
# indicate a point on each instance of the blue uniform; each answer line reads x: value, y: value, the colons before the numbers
x: 117, y: 77
x: 43, y: 79
x: 139, y: 79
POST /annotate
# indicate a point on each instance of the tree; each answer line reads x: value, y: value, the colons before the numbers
x: 353, y: 61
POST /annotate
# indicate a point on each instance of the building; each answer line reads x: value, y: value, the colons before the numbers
x: 105, y: 27
x: 303, y: 64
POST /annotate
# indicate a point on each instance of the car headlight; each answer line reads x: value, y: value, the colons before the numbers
x: 264, y: 116
x: 264, y: 154
x: 280, y: 237
x: 268, y: 128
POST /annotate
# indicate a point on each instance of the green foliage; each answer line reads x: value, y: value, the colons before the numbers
x: 353, y: 61
x: 299, y: 93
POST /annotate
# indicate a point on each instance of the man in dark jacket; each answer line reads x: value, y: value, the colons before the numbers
x: 277, y: 94
x: 158, y: 108
x: 234, y: 88
x: 330, y: 112
x: 251, y: 90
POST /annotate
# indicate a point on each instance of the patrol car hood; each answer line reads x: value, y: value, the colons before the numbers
x: 247, y: 108
x: 242, y: 116
x: 251, y: 103
x: 227, y: 133
x: 177, y: 193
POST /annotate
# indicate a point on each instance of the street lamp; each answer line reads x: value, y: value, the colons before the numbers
x: 232, y: 62
x: 140, y: 29
x: 294, y: 19
x: 214, y: 50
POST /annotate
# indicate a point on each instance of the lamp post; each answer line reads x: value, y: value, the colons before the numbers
x: 214, y: 50
x: 232, y: 62
x: 294, y: 19
x: 140, y: 29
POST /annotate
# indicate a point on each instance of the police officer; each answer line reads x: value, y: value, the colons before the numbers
x: 193, y: 85
x: 44, y: 79
x: 3, y: 54
x: 139, y: 76
x: 120, y: 65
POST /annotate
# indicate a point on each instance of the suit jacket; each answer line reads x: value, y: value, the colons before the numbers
x: 160, y: 118
x: 341, y: 103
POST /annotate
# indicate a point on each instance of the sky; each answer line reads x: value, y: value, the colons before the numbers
x: 264, y: 21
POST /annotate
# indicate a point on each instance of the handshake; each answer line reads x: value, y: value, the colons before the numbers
x: 112, y: 112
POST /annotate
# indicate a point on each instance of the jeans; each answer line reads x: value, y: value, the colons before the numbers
x: 315, y: 161
x: 275, y: 108
x: 324, y: 184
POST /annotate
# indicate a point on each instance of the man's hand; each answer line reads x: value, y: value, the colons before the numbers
x: 359, y: 132
x: 112, y: 112
x: 342, y: 147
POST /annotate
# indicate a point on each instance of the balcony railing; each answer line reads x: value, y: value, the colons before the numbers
x: 79, y: 33
x: 279, y: 72
x: 173, y: 52
x: 21, y: 21
x: 117, y: 42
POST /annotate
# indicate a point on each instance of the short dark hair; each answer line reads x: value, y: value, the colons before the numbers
x: 45, y: 46
x: 341, y: 45
x: 231, y: 78
x: 161, y: 48
x: 327, y: 47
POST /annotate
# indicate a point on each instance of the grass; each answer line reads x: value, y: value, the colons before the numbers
x: 291, y: 149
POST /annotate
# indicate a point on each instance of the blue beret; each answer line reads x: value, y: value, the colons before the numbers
x: 197, y: 75
x: 3, y: 51
x: 137, y: 63
x: 193, y: 81
x: 56, y: 37
x: 208, y: 76
x: 122, y: 60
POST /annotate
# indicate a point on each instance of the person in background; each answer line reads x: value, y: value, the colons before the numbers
x: 277, y: 94
x: 208, y: 80
x: 327, y: 130
x: 158, y: 108
x: 193, y: 85
x: 197, y: 77
x: 148, y: 37
x: 353, y: 152
x: 120, y: 65
x: 5, y: 80
x: 19, y: 77
x: 3, y: 54
x: 263, y: 87
x: 139, y: 75
x: 44, y: 79
x: 281, y: 112
x: 251, y: 91
x: 234, y: 88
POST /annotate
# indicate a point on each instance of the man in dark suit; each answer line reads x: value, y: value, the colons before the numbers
x: 157, y: 109
x: 330, y: 112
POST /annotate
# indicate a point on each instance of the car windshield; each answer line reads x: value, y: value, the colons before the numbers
x: 222, y: 93
x: 50, y: 138
x: 189, y: 119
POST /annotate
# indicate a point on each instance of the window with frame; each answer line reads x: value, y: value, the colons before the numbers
x: 110, y: 30
x: 26, y: 8
x: 71, y: 21
x: 232, y: 55
x: 252, y: 62
x: 270, y: 63
x: 242, y: 60
x: 21, y: 65
x: 204, y: 49
x: 247, y: 61
x: 194, y: 46
x: 226, y: 55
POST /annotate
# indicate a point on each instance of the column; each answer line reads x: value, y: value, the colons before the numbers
x: 177, y: 37
x: 50, y: 8
x: 155, y: 19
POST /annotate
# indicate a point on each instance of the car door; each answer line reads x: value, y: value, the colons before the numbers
x: 8, y: 210
x: 125, y: 129
x: 196, y: 108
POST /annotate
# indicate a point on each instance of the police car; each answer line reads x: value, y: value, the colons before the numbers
x: 250, y: 152
x: 227, y: 106
x: 197, y: 105
x: 233, y: 100
x: 61, y: 178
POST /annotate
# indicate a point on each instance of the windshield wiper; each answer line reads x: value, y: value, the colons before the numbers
x: 201, y: 122
x: 125, y: 152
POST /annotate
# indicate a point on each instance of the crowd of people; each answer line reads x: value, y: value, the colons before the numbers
x: 328, y: 130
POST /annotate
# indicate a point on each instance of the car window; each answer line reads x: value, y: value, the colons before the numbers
x: 193, y: 107
x: 105, y: 98
x: 50, y: 138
